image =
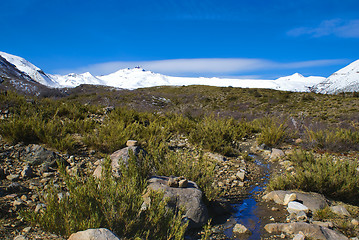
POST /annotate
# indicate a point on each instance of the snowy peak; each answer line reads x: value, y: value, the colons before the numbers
x: 28, y: 68
x: 74, y: 79
x: 344, y: 80
x: 134, y: 78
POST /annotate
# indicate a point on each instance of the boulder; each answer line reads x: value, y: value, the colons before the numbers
x: 311, y: 231
x: 190, y: 198
x: 94, y: 234
x: 119, y: 158
x: 313, y: 201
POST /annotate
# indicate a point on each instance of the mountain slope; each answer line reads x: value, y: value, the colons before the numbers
x: 344, y: 80
x: 28, y: 68
x: 11, y: 78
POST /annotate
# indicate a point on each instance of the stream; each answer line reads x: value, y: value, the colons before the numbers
x: 248, y: 211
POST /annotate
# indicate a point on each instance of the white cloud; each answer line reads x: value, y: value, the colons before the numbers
x: 336, y: 27
x: 201, y: 66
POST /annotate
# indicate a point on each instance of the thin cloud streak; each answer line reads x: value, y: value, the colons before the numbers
x: 336, y: 27
x: 201, y: 66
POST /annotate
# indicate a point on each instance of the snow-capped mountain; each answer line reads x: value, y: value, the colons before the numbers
x: 30, y: 69
x: 344, y: 80
x: 73, y: 79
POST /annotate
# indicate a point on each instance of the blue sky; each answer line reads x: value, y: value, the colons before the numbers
x: 252, y: 38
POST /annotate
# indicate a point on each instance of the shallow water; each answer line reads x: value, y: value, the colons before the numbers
x: 247, y: 211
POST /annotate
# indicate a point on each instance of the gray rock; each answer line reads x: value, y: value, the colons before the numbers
x: 313, y: 201
x: 340, y: 210
x: 119, y: 158
x: 94, y: 234
x: 36, y: 155
x: 311, y: 231
x: 276, y: 154
x: 190, y: 198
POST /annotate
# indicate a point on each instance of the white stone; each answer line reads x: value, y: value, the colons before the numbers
x: 295, y: 207
x: 240, y: 229
x: 240, y: 175
x: 299, y: 236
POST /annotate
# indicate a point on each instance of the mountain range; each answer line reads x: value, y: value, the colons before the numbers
x: 25, y: 76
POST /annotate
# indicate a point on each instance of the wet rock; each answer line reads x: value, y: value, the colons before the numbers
x: 340, y: 210
x: 190, y: 198
x: 240, y: 229
x: 296, y: 207
x: 94, y: 234
x: 13, y: 177
x: 27, y: 172
x: 276, y: 154
x: 309, y: 230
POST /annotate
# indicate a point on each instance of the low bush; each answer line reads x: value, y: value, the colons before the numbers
x: 333, y: 178
x: 272, y: 132
x: 336, y: 140
x: 110, y: 203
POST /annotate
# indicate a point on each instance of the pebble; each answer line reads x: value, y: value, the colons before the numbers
x: 13, y: 177
x: 355, y: 222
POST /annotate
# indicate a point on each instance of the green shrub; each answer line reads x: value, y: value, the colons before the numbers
x: 111, y: 203
x: 337, y: 140
x: 333, y: 178
x: 272, y: 132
